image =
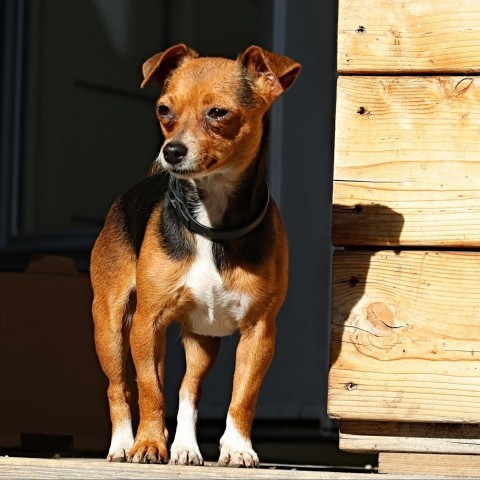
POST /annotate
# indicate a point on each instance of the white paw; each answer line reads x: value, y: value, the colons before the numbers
x: 235, y: 449
x: 185, y: 455
x: 230, y: 457
x: 118, y: 455
x: 122, y: 441
x: 185, y: 449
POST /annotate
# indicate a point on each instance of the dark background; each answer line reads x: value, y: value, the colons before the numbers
x: 76, y: 131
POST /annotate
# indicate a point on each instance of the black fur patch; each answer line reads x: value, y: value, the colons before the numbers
x: 250, y: 250
x: 245, y: 91
x: 173, y: 235
x: 135, y: 207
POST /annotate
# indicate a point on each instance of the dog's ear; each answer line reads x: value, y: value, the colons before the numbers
x: 160, y: 65
x: 273, y: 72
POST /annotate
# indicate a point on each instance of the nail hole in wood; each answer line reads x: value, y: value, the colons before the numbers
x: 353, y: 281
x: 357, y: 209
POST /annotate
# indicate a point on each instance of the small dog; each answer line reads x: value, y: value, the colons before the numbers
x: 199, y: 242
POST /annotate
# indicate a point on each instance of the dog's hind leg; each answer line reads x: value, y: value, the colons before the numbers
x: 200, y: 353
x: 113, y: 280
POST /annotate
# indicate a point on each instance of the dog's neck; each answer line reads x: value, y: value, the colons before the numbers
x: 228, y: 199
x: 215, y: 194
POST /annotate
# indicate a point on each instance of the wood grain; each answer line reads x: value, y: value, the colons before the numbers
x: 368, y: 437
x: 426, y: 464
x: 407, y: 162
x: 405, y: 341
x: 69, y: 468
x: 408, y: 36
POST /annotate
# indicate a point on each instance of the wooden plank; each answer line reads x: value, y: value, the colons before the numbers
x: 368, y: 437
x: 407, y: 162
x: 427, y: 464
x: 405, y: 341
x: 70, y: 468
x: 408, y: 36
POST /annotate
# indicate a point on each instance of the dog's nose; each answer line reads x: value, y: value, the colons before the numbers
x: 174, y: 152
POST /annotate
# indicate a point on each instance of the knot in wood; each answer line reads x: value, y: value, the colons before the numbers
x: 380, y: 316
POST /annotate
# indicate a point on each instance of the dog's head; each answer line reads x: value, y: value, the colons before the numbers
x: 211, y: 109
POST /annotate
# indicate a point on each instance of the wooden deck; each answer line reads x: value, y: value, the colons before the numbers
x: 69, y: 468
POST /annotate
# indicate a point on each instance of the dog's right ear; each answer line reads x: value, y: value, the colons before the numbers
x: 160, y: 65
x: 272, y: 73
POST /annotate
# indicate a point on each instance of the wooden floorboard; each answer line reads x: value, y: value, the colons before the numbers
x: 23, y: 468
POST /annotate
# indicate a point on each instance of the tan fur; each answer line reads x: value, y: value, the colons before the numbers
x: 257, y: 341
x: 157, y: 280
x: 110, y: 307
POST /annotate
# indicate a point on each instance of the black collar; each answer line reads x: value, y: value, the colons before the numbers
x: 178, y: 201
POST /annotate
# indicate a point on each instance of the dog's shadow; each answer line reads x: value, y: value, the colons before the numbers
x: 362, y: 230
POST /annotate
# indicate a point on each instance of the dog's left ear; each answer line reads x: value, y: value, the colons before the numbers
x: 274, y: 73
x: 160, y: 65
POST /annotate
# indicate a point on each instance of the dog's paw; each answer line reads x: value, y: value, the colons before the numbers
x: 148, y: 451
x: 185, y: 455
x: 118, y: 455
x: 229, y: 457
x: 122, y: 441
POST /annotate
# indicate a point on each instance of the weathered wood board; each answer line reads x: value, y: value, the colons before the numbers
x: 367, y: 437
x: 405, y: 361
x: 71, y: 468
x: 408, y: 36
x: 405, y: 336
x: 407, y: 161
x: 450, y: 466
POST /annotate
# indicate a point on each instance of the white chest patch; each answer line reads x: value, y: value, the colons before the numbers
x: 218, y: 310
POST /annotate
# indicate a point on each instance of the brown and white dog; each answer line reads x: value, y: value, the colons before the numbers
x: 199, y: 242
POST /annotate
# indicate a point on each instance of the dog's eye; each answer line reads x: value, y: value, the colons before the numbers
x: 217, y: 113
x: 163, y: 111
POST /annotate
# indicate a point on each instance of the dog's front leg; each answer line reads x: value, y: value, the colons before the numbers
x: 147, y: 339
x: 254, y: 355
x: 200, y: 353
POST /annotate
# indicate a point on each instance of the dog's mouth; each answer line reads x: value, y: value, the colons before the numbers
x: 185, y: 174
x: 191, y: 172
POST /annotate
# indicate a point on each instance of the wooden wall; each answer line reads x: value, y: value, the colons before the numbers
x: 405, y: 342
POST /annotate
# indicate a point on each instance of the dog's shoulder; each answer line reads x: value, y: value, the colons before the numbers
x: 132, y: 210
